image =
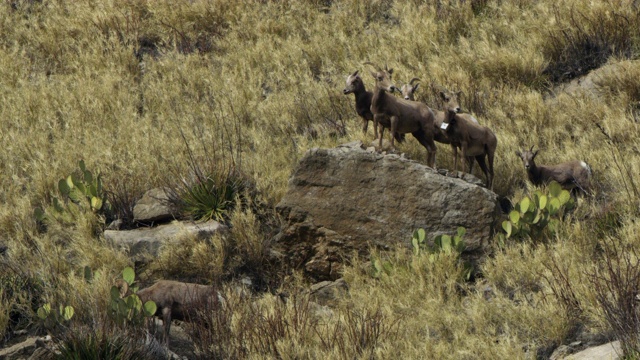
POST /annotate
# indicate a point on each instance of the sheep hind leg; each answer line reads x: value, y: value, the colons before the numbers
x: 365, y: 126
x: 429, y: 145
x: 470, y: 162
x: 483, y: 167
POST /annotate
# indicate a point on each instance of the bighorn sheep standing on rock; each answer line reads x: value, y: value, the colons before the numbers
x: 473, y: 139
x: 179, y: 300
x: 570, y: 175
x: 451, y: 108
x: 355, y: 86
x: 409, y: 89
x: 402, y: 116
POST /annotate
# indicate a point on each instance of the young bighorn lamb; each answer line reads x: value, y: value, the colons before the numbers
x: 402, y: 116
x: 570, y: 175
x: 179, y: 300
x: 355, y: 86
x: 473, y: 139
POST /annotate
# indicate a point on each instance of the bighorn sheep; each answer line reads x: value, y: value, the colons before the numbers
x: 179, y: 300
x: 355, y: 86
x: 570, y: 175
x: 473, y: 139
x: 407, y: 90
x: 401, y: 116
x: 451, y: 107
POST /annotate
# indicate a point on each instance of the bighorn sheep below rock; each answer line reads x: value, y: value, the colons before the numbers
x: 402, y: 116
x: 355, y: 86
x: 473, y: 139
x: 570, y: 175
x: 179, y: 300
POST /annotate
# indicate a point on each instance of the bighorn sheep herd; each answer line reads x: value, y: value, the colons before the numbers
x: 448, y: 126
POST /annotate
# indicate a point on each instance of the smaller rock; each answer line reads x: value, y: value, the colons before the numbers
x: 115, y: 225
x: 154, y: 207
x: 326, y: 292
x: 610, y: 350
x: 22, y: 350
x: 142, y: 241
x: 321, y: 311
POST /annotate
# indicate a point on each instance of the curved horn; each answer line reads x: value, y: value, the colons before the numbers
x: 531, y: 148
x: 374, y: 65
x: 414, y: 79
x: 439, y: 88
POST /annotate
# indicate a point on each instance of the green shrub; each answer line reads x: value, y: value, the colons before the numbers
x: 210, y: 197
x: 19, y: 299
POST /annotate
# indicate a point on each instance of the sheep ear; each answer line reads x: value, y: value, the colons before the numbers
x: 355, y: 73
x: 458, y: 93
x: 390, y: 71
x: 416, y: 87
x: 374, y: 74
x: 442, y: 95
x: 518, y: 153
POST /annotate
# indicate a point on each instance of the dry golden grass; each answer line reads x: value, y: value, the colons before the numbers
x: 259, y: 83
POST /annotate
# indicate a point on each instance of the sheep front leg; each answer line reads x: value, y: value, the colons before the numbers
x: 454, y: 149
x: 464, y: 149
x: 375, y: 129
x: 365, y: 126
x: 166, y: 319
x: 376, y: 119
x: 393, y: 130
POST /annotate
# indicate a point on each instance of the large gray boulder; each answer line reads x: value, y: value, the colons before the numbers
x: 346, y: 199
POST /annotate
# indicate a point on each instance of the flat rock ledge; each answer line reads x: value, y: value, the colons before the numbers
x: 344, y: 200
x: 147, y: 241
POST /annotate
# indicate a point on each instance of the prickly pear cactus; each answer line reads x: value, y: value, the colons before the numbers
x: 77, y: 192
x: 537, y: 217
x: 129, y: 309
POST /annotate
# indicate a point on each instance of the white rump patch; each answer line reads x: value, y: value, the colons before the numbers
x: 586, y: 166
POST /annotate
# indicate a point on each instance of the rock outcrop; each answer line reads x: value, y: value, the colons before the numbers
x: 341, y: 201
x: 147, y: 241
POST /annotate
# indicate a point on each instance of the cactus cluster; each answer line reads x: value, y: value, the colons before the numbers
x: 537, y: 217
x: 79, y: 191
x: 52, y: 318
x: 129, y: 309
x: 442, y: 244
x: 379, y: 267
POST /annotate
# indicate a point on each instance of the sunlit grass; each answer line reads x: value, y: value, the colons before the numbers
x: 138, y: 90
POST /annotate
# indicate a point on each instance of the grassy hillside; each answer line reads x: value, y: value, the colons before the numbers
x: 150, y: 92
